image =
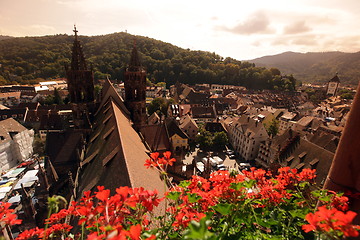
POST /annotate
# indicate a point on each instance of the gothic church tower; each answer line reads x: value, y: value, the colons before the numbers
x: 333, y: 86
x: 135, y: 90
x: 80, y: 80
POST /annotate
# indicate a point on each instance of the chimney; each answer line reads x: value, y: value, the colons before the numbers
x: 248, y: 119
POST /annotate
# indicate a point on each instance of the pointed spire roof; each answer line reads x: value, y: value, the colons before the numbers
x: 77, y: 59
x: 335, y: 78
x: 134, y: 64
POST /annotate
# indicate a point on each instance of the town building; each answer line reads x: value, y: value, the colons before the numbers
x: 15, y: 143
x: 292, y: 150
x: 188, y: 125
x: 245, y: 135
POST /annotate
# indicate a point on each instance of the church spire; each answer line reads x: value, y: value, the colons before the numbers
x: 80, y: 80
x: 134, y: 64
x: 77, y: 59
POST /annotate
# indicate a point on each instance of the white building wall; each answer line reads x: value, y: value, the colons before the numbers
x: 247, y: 147
x: 7, y: 159
x: 16, y: 150
x: 23, y: 143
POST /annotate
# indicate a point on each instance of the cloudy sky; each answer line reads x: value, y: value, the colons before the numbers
x: 242, y: 29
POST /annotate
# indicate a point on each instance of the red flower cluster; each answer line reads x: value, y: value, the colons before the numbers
x: 162, y: 163
x: 329, y: 220
x: 121, y: 216
x: 7, y: 216
x: 202, y: 194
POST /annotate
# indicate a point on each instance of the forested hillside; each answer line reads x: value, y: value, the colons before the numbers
x: 316, y: 67
x: 2, y: 37
x: 24, y: 60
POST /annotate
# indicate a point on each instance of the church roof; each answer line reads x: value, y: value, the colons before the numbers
x: 115, y: 154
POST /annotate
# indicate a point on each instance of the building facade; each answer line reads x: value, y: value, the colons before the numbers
x: 245, y: 135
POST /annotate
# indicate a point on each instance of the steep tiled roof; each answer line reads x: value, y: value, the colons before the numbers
x: 173, y: 128
x: 115, y: 154
x: 9, y: 125
x: 325, y: 140
x: 186, y: 119
x: 156, y: 137
x: 309, y: 155
x: 203, y: 112
x: 154, y: 118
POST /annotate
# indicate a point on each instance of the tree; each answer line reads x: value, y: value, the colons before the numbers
x: 204, y: 139
x: 97, y: 91
x: 273, y: 127
x: 57, y: 97
x: 220, y: 140
x: 48, y: 100
x: 159, y: 105
x: 208, y: 140
x: 39, y: 145
x: 275, y: 71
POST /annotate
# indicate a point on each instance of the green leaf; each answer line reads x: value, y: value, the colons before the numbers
x: 297, y: 213
x: 250, y: 183
x: 304, y: 184
x: 173, y: 195
x: 193, y: 197
x: 199, y: 230
x: 223, y: 208
x: 184, y: 184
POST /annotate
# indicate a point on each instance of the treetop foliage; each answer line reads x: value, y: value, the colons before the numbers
x: 25, y: 59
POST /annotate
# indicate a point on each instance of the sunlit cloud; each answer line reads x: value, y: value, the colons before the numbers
x: 296, y: 27
x: 229, y: 28
x: 257, y: 23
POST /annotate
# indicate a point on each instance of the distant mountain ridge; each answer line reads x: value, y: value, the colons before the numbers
x: 2, y: 37
x: 315, y: 67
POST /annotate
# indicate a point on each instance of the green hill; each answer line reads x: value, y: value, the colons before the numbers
x: 25, y: 59
x: 316, y: 67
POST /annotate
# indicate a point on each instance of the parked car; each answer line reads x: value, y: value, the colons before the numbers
x: 214, y: 161
x: 218, y: 160
x: 229, y: 152
x: 232, y: 156
x: 200, y: 166
x: 243, y: 166
x: 221, y: 167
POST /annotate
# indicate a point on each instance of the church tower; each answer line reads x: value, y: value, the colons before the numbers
x: 135, y: 90
x: 80, y: 80
x: 333, y: 86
